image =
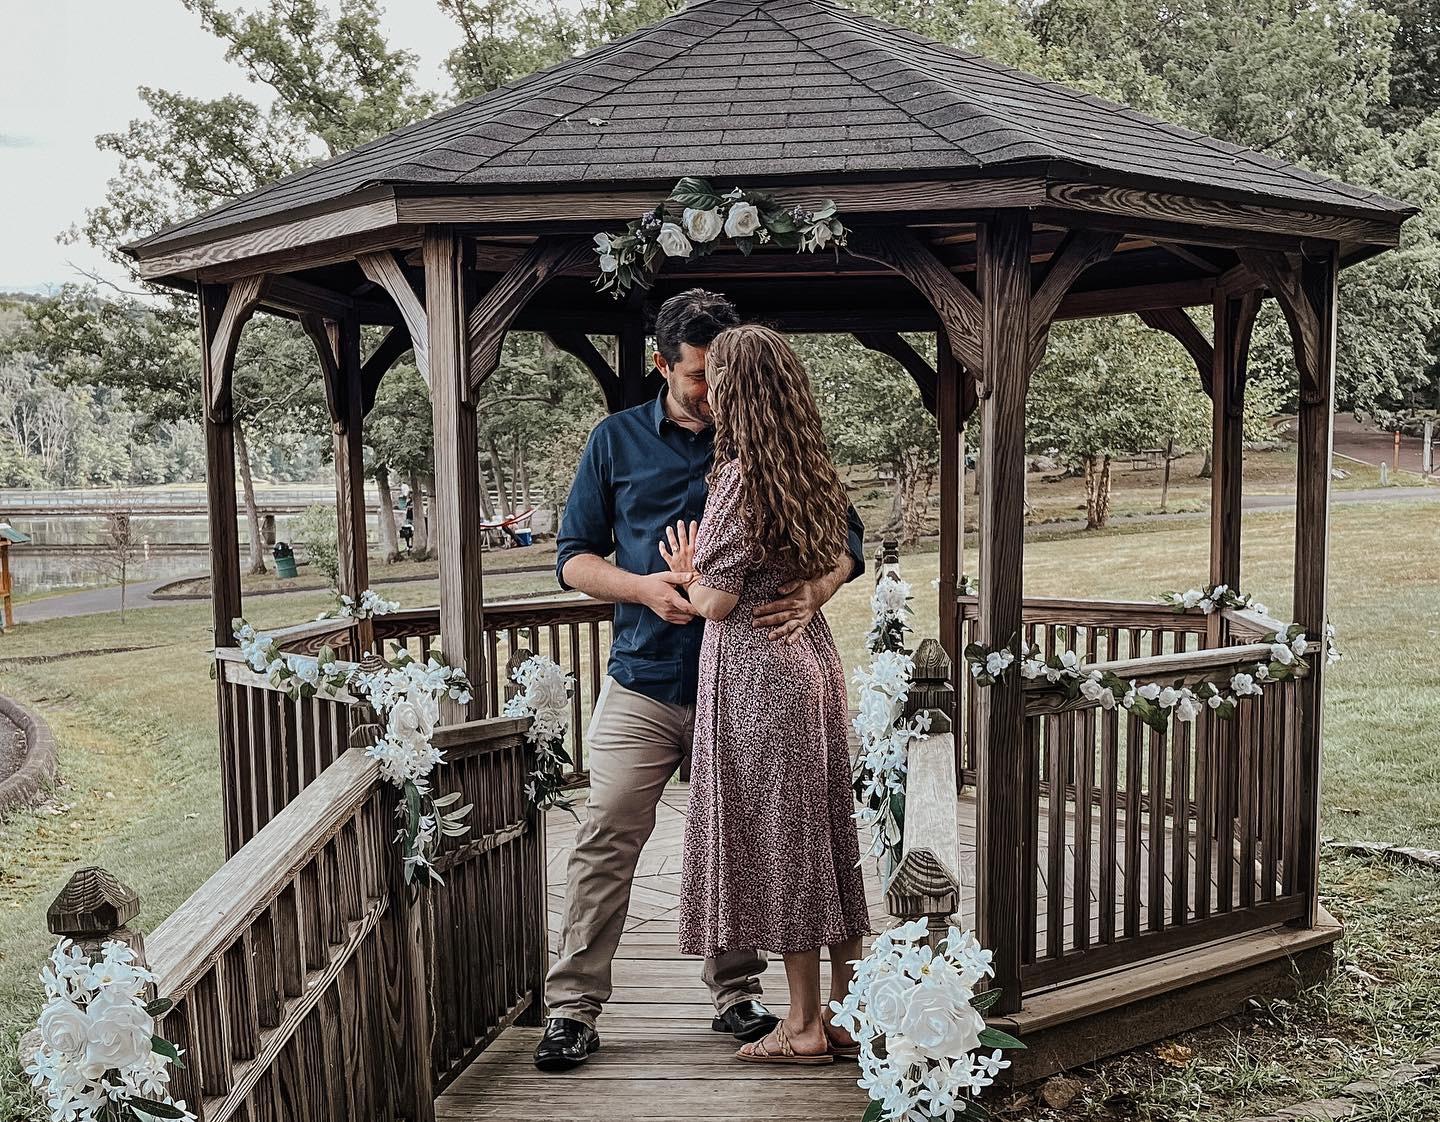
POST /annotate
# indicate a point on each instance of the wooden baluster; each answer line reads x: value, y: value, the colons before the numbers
x: 1030, y: 842
x: 1108, y: 902
x: 1134, y: 819
x: 1204, y: 807
x: 1247, y: 733
x: 1155, y: 787
x: 1180, y: 833
x: 578, y: 710
x: 1084, y: 831
x: 1059, y: 738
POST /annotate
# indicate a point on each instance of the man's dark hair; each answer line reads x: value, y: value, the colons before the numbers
x: 694, y: 316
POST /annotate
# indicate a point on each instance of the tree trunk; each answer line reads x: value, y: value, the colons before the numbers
x: 487, y: 511
x: 502, y: 498
x: 1097, y: 492
x: 420, y: 545
x: 1209, y: 465
x: 252, y: 508
x: 520, y: 473
x: 1165, y: 478
x: 432, y: 534
x: 389, y: 543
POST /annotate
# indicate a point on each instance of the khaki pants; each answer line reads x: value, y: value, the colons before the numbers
x: 635, y: 745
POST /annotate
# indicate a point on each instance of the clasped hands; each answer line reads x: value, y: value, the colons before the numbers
x: 783, y: 619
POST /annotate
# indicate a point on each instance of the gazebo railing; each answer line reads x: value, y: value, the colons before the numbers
x: 1136, y: 844
x: 310, y: 982
x: 274, y: 746
x: 1097, y: 630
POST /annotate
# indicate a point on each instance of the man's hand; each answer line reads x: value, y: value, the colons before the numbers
x: 660, y: 592
x: 799, y: 601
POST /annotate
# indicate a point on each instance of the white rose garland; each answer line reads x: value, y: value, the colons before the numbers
x: 99, y: 1059
x: 544, y: 697
x: 690, y: 222
x: 370, y: 604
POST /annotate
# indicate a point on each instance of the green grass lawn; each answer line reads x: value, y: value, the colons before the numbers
x: 139, y: 790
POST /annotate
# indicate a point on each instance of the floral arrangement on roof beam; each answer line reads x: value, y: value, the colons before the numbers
x: 883, y: 734
x: 405, y: 695
x: 544, y: 697
x: 918, y: 1018
x: 99, y: 1059
x: 689, y: 223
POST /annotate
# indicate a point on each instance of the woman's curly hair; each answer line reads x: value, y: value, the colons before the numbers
x: 766, y: 417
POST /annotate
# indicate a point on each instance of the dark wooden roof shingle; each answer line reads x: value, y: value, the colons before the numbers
x: 781, y: 87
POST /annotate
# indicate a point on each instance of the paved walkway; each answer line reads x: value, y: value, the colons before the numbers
x: 93, y: 601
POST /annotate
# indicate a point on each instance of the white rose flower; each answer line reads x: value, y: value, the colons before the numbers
x: 119, y: 1034
x: 1091, y: 689
x: 602, y: 244
x: 939, y: 1027
x: 1191, y: 597
x: 1282, y: 653
x: 1215, y: 700
x: 1167, y: 697
x: 608, y: 264
x: 673, y: 241
x: 886, y: 1002
x: 411, y: 721
x: 1297, y: 644
x: 1149, y: 691
x: 549, y: 693
x: 742, y: 221
x: 821, y: 235
x: 64, y: 1027
x: 702, y: 225
x: 1107, y: 699
x: 1186, y: 708
x: 1242, y: 684
x: 1262, y: 673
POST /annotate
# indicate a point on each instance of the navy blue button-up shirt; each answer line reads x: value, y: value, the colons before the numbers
x: 640, y: 473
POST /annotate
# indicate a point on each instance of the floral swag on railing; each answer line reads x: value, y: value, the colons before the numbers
x: 919, y: 1020
x: 99, y: 1059
x: 1153, y: 703
x: 689, y: 223
x: 405, y: 696
x: 370, y: 604
x: 883, y: 734
x: 544, y: 697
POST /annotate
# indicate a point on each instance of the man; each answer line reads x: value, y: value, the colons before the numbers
x: 642, y: 471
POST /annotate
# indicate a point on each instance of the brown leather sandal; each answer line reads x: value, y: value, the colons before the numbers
x: 840, y: 1051
x: 757, y: 1053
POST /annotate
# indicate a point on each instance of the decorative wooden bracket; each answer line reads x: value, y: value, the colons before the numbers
x: 1174, y: 321
x: 959, y: 309
x: 318, y: 328
x: 492, y: 316
x: 891, y: 343
x: 1079, y: 250
x: 385, y: 270
x: 240, y: 304
x: 1240, y: 312
x: 577, y: 343
x: 382, y: 358
x: 1284, y: 275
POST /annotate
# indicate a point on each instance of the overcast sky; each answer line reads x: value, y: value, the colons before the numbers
x: 69, y: 70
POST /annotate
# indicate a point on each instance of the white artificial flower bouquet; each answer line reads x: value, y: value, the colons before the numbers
x: 918, y: 1015
x: 99, y: 1059
x: 690, y: 222
x: 405, y: 695
x: 300, y: 676
x: 544, y: 697
x: 369, y: 605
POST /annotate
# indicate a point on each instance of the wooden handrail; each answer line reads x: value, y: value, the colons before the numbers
x: 186, y: 944
x: 1250, y: 623
x: 1096, y: 613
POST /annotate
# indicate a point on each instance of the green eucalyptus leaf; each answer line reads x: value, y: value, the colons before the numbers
x: 994, y: 1038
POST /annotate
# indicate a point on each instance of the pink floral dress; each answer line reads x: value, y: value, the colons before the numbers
x: 771, y: 852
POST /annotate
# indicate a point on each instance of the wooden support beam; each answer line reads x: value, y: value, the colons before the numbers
x: 223, y: 518
x: 241, y: 301
x: 319, y: 330
x: 457, y: 470
x: 635, y: 367
x: 1315, y: 284
x: 1079, y: 250
x: 385, y: 270
x: 952, y: 495
x: 577, y: 343
x: 891, y: 344
x: 1007, y: 339
x: 492, y: 316
x: 347, y: 432
x: 1174, y: 321
x: 1189, y: 256
x: 957, y: 307
x: 1282, y: 275
x: 386, y: 354
x: 1234, y: 321
x: 292, y: 295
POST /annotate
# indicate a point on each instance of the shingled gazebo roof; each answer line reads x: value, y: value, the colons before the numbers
x: 772, y: 90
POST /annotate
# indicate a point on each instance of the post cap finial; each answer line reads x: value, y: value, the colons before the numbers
x: 92, y: 905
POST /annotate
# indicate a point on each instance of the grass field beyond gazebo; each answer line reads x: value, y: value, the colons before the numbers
x: 140, y: 792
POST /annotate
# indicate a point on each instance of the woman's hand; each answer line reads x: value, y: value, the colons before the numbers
x: 680, y: 554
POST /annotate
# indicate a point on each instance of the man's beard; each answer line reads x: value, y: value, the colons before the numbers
x: 695, y: 409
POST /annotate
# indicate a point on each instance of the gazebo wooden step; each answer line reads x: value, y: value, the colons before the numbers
x: 1110, y: 1013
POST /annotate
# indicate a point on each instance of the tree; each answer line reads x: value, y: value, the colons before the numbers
x: 873, y: 415
x: 118, y: 546
x: 400, y: 433
x: 1112, y: 387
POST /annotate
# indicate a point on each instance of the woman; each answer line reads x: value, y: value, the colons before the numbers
x: 771, y: 853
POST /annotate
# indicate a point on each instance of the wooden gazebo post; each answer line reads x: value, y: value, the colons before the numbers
x: 457, y: 466
x: 1004, y: 274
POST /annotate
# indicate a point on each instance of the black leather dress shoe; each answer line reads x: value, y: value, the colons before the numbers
x: 745, y: 1020
x: 566, y: 1043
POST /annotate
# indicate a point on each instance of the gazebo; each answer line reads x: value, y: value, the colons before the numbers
x: 1130, y: 883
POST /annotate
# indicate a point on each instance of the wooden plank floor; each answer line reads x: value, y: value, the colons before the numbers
x: 659, y: 1060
